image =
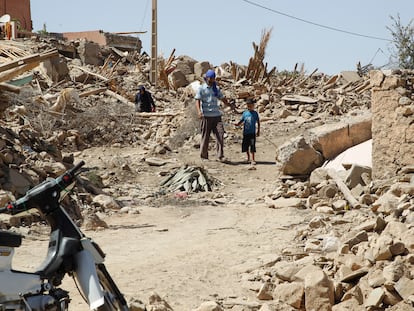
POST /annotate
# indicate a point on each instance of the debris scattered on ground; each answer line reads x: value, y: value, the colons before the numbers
x: 189, y: 179
x: 358, y: 252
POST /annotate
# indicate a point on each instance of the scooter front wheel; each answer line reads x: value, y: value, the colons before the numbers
x: 114, y: 300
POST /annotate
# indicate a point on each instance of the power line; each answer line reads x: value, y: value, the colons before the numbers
x: 143, y: 20
x: 145, y: 15
x: 375, y: 55
x: 316, y: 24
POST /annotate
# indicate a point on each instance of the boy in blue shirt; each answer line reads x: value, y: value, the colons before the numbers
x: 249, y: 119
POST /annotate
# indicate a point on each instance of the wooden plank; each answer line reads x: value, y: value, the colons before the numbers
x: 18, y: 71
x: 293, y: 98
x: 333, y: 79
x: 10, y: 88
x: 344, y: 189
x: 157, y: 114
x: 93, y: 74
x: 243, y: 95
x: 18, y: 62
x: 363, y: 86
x: 49, y: 54
x: 119, y: 97
x: 25, y: 64
x: 92, y: 92
x: 302, y: 83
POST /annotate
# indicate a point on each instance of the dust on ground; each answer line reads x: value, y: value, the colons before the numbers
x: 193, y: 250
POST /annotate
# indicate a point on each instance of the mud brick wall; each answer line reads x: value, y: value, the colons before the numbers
x: 104, y: 38
x: 392, y: 122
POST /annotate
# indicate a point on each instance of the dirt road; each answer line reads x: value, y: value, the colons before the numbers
x: 187, y: 253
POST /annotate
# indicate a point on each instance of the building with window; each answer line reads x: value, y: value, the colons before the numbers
x: 19, y: 11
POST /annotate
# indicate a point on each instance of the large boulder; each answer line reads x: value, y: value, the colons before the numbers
x: 177, y: 79
x: 185, y: 64
x: 319, y: 289
x: 298, y: 157
x: 201, y: 68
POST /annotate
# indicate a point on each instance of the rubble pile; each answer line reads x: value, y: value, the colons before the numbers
x: 74, y: 101
x: 344, y: 258
x: 63, y: 97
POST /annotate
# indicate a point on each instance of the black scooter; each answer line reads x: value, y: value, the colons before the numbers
x: 69, y: 252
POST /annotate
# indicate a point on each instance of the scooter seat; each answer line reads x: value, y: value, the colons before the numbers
x: 10, y: 239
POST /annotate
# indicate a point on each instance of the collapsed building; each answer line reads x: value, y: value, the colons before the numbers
x: 373, y: 224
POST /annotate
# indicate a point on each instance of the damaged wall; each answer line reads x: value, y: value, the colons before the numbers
x: 102, y: 38
x: 392, y: 122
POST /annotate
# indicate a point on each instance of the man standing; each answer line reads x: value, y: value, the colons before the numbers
x: 144, y: 101
x: 208, y: 109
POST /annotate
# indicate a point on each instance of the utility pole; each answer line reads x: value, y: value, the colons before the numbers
x: 154, y: 45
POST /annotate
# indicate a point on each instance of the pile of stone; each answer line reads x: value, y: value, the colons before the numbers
x: 356, y: 254
x: 82, y: 94
x: 345, y: 258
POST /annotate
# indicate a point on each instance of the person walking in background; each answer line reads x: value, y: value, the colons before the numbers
x: 208, y: 109
x: 249, y: 119
x: 144, y: 101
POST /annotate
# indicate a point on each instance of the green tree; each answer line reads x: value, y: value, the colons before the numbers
x: 43, y: 32
x: 403, y: 43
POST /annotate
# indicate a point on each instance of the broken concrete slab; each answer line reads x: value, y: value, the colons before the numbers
x: 295, y: 99
x: 350, y: 76
x: 332, y: 139
x: 360, y: 155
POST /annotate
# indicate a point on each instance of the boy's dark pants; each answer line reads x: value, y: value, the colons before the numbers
x: 249, y: 140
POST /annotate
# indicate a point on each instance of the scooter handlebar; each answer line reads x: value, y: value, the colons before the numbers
x: 38, y: 195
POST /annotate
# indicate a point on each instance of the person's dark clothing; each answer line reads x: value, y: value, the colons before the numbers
x: 144, y: 102
x: 249, y: 141
x: 215, y: 125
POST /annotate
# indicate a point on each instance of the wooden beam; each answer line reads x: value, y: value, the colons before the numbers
x: 157, y: 114
x: 93, y: 74
x: 48, y: 54
x: 10, y: 88
x: 119, y: 97
x: 18, y: 62
x: 33, y: 58
x: 344, y: 189
x: 18, y: 71
x: 92, y: 92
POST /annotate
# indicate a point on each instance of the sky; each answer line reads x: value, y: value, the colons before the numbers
x: 328, y: 35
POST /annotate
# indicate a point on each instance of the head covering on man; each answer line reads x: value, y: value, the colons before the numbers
x: 211, y: 74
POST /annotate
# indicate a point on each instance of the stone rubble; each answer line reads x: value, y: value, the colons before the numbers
x: 345, y: 259
x: 351, y: 259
